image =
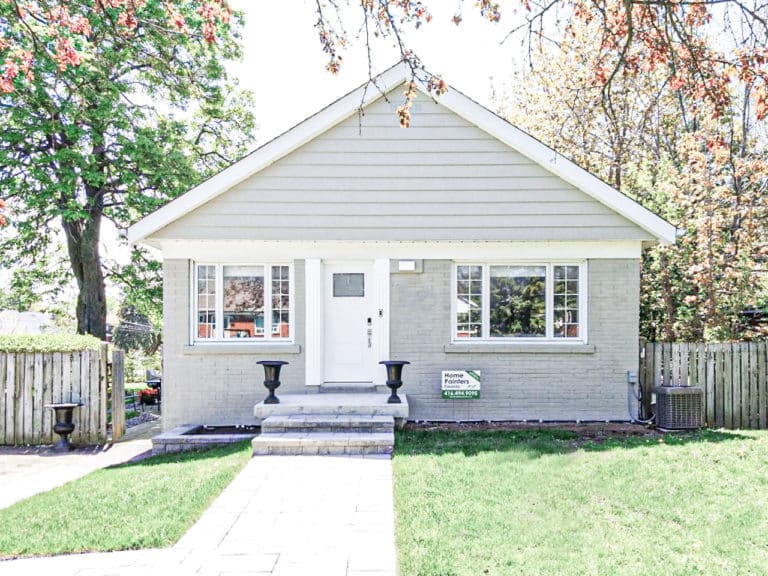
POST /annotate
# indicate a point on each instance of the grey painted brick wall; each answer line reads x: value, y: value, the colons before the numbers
x: 210, y: 386
x: 518, y: 386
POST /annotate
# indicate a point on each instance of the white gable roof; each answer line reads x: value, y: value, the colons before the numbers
x: 346, y: 106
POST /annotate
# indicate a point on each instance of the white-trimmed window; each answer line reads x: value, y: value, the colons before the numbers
x: 519, y: 301
x: 242, y: 301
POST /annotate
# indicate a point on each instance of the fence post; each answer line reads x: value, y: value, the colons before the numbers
x: 3, y: 394
x: 103, y: 389
x: 646, y: 379
x: 38, y: 411
x: 98, y: 389
x: 754, y: 410
x: 47, y: 397
x: 744, y: 374
x: 762, y: 373
x: 118, y: 395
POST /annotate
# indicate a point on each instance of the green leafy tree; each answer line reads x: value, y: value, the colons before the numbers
x: 703, y: 171
x: 111, y: 132
x: 136, y: 332
x: 517, y: 306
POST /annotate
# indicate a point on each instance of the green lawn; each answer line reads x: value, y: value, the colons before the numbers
x: 539, y: 502
x: 146, y: 504
x: 132, y: 387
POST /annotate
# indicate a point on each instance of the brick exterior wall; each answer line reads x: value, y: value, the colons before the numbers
x: 213, y: 386
x: 518, y: 385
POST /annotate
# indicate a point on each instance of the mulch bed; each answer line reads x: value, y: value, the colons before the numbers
x: 597, y: 431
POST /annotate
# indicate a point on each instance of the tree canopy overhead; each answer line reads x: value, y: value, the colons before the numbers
x: 700, y: 46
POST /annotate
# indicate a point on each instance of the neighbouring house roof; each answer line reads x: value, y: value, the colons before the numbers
x: 453, y: 100
x: 12, y: 322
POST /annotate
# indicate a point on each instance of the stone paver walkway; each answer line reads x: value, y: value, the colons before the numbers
x: 25, y: 472
x: 282, y: 515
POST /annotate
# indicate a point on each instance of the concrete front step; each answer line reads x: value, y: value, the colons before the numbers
x: 355, y: 443
x: 331, y: 403
x: 328, y: 423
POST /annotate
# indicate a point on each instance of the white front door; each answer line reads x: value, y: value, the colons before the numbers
x: 348, y: 322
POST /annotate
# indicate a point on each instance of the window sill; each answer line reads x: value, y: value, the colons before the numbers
x: 251, y: 349
x: 518, y: 348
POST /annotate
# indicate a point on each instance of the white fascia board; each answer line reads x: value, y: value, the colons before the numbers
x: 240, y: 251
x: 269, y: 153
x: 556, y: 163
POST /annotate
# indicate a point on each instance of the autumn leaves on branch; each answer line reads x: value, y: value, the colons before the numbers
x: 638, y: 36
x: 60, y: 31
x: 703, y: 47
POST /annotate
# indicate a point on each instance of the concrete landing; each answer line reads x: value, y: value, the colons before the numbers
x: 333, y: 403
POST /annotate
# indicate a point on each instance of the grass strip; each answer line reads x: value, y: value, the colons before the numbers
x: 548, y: 502
x: 147, y: 504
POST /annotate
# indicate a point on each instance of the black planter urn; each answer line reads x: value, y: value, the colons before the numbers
x: 394, y: 378
x: 63, y: 426
x: 272, y: 378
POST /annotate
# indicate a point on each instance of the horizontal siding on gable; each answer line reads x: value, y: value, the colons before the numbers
x: 415, y: 184
x: 369, y: 179
x: 283, y: 207
x: 437, y: 196
x: 406, y: 221
x: 402, y: 158
x: 380, y: 118
x: 412, y: 171
x: 256, y: 232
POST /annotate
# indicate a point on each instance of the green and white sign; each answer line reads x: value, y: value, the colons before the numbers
x: 461, y: 384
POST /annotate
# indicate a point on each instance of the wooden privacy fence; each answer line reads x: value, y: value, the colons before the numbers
x: 733, y: 376
x: 30, y: 380
x: 117, y: 391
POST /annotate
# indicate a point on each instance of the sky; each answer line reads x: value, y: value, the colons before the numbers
x: 284, y: 65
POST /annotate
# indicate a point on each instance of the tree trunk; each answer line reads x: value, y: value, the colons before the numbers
x: 156, y: 340
x: 83, y: 245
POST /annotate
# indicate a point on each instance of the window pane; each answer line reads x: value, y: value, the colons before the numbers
x: 518, y: 303
x: 566, y: 302
x: 349, y: 285
x: 469, y: 287
x: 206, y: 301
x: 281, y: 303
x: 243, y: 301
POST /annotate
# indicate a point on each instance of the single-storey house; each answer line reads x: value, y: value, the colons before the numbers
x: 460, y: 243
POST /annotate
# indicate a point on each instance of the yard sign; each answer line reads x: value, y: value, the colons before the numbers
x: 461, y: 384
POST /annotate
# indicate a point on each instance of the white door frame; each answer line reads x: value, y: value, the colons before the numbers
x: 314, y: 352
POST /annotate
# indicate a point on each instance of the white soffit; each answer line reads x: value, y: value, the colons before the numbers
x: 455, y: 101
